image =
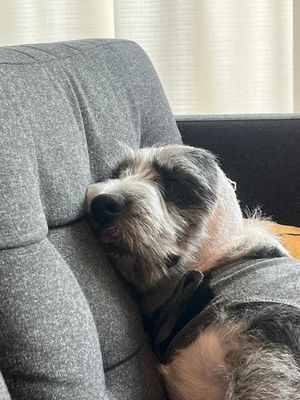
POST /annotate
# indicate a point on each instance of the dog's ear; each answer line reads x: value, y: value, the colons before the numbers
x: 203, y: 170
x: 201, y: 158
x: 121, y: 159
x: 190, y: 180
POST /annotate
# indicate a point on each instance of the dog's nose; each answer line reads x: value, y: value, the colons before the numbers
x: 105, y: 207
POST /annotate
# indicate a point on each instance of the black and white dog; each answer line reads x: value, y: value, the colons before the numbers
x: 220, y: 295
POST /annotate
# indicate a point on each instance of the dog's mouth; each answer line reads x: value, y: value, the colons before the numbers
x: 108, y: 238
x: 111, y: 243
x: 108, y: 235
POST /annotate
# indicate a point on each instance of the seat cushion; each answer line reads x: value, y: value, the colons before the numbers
x: 48, y: 337
x: 116, y: 316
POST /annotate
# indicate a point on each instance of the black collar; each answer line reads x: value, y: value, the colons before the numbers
x: 169, y: 308
x: 172, y: 311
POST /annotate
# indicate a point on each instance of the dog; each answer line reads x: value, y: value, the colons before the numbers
x: 219, y: 294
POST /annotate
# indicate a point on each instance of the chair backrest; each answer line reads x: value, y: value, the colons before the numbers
x: 65, y: 111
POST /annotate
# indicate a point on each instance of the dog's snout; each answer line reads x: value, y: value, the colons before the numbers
x: 105, y: 207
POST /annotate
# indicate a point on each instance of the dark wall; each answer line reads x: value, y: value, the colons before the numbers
x: 262, y: 154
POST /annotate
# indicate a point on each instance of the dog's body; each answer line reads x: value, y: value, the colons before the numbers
x: 220, y: 296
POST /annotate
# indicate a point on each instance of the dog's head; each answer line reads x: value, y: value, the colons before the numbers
x: 153, y: 211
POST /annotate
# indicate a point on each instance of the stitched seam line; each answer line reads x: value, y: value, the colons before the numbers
x: 125, y: 360
x: 108, y: 44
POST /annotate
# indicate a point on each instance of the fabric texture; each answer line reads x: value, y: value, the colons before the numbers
x: 258, y: 280
x: 68, y: 327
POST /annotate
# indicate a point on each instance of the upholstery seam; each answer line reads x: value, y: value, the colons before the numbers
x: 77, y: 95
x: 125, y: 360
x: 24, y: 245
x: 67, y: 57
x: 135, y: 110
x: 74, y: 222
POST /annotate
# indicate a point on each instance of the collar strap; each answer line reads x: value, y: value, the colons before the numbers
x: 175, y: 310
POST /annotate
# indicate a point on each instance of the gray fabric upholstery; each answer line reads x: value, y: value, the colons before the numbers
x: 68, y: 327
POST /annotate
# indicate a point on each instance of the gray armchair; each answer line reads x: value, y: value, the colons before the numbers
x: 68, y: 327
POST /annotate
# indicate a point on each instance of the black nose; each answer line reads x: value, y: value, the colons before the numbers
x: 105, y: 207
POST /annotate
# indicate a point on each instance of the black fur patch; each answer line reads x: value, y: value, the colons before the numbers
x: 273, y: 323
x: 123, y: 165
x: 184, y: 188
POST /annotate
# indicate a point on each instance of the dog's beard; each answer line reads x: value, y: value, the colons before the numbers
x: 147, y: 243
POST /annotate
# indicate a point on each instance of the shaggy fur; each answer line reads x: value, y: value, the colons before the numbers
x: 170, y: 209
x: 157, y: 211
x: 229, y: 361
